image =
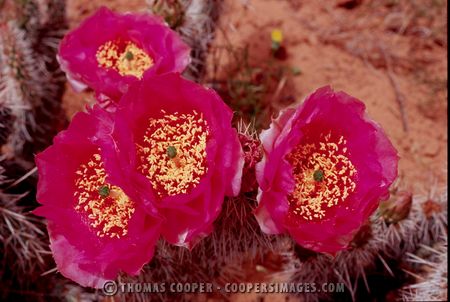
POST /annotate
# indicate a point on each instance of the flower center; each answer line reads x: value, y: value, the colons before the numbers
x: 124, y: 57
x: 172, y: 152
x: 107, y: 208
x: 324, y: 176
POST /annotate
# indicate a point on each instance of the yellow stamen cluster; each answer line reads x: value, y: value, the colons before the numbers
x: 173, y: 152
x: 108, y: 214
x: 126, y: 60
x: 324, y: 176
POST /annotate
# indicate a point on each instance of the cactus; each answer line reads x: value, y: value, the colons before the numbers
x: 425, y: 224
x: 31, y: 87
x: 218, y: 258
x: 31, y: 83
x: 195, y: 21
x: 6, y: 124
x: 252, y: 153
x: 432, y: 282
x: 400, y: 227
x: 23, y: 241
x: 22, y: 85
x: 170, y: 264
x: 237, y: 232
x: 347, y: 267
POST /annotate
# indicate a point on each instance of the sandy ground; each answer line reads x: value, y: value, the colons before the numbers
x: 380, y: 52
x: 328, y: 44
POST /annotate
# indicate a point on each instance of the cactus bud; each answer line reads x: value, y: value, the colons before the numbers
x: 396, y: 208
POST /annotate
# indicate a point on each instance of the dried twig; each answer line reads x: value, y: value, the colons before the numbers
x: 399, y: 96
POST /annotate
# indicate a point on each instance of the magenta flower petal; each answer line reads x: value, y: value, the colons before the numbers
x: 326, y: 167
x: 96, y: 222
x: 109, y: 51
x: 184, y: 154
x: 69, y: 261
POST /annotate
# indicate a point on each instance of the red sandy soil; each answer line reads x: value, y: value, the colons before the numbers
x: 379, y: 51
x: 342, y: 48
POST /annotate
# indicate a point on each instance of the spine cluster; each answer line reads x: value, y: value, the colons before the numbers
x: 195, y: 21
x: 31, y: 83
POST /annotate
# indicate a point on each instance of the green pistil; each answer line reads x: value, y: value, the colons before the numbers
x: 171, y: 151
x: 104, y: 191
x: 318, y: 175
x: 129, y: 56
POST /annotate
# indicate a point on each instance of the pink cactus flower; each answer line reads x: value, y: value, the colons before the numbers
x: 184, y: 154
x: 109, y: 51
x: 96, y: 223
x: 325, y: 168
